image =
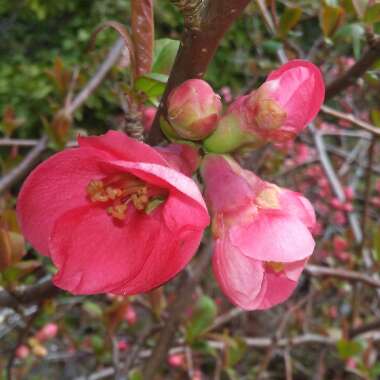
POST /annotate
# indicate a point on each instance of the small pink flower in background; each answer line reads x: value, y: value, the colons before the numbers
x: 148, y: 115
x: 49, y: 331
x: 276, y: 112
x: 339, y: 243
x: 122, y: 345
x: 130, y: 315
x: 22, y: 352
x: 226, y: 94
x: 194, y: 109
x: 177, y: 360
x: 106, y: 214
x: 262, y: 234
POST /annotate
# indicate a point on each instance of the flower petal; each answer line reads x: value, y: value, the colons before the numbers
x: 277, y: 289
x: 54, y: 187
x: 94, y: 253
x: 273, y: 236
x: 305, y: 91
x: 239, y: 276
x: 297, y: 205
x: 122, y: 147
x: 183, y: 157
x: 161, y: 176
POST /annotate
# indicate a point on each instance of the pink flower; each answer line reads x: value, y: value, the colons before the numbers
x: 106, y: 214
x: 262, y: 238
x: 148, y: 115
x: 276, y: 112
x: 49, y: 331
x: 130, y: 315
x: 194, y: 109
x: 176, y: 360
x: 22, y: 352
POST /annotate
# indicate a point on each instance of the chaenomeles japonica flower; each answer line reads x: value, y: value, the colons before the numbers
x: 276, y: 112
x: 262, y: 237
x: 114, y: 215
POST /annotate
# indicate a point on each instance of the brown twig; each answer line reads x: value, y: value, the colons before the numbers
x: 355, y: 71
x: 374, y: 325
x: 175, y: 314
x: 319, y: 271
x: 197, y: 49
x: 28, y: 295
x: 32, y: 157
x: 352, y: 119
x: 367, y: 193
x: 20, y: 170
x: 22, y: 335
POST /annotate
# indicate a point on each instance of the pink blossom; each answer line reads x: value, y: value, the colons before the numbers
x: 339, y: 243
x: 194, y: 109
x: 261, y: 231
x: 276, y: 112
x: 148, y: 116
x: 106, y: 214
x: 176, y: 360
x: 22, y: 352
x: 130, y: 315
x: 122, y: 345
x: 49, y: 331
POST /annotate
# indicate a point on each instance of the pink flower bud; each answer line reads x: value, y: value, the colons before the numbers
x: 276, y: 112
x: 339, y: 243
x: 194, y: 109
x: 148, y: 116
x: 49, y: 331
x: 130, y: 315
x: 176, y: 360
x: 122, y: 345
x: 22, y: 352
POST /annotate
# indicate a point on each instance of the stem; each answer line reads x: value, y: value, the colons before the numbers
x: 175, y: 313
x: 197, y: 50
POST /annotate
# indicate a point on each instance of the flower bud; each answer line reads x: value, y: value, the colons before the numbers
x: 49, y: 331
x: 276, y: 112
x: 194, y: 109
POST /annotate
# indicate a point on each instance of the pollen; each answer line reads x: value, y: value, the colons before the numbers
x: 118, y: 191
x: 275, y: 266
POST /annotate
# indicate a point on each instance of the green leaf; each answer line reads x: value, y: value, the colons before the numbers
x: 235, y: 351
x: 372, y: 14
x: 93, y: 309
x: 135, y: 374
x: 360, y: 7
x: 375, y: 117
x: 152, y: 84
x: 376, y: 244
x: 202, y: 318
x: 165, y: 51
x: 289, y: 19
x: 330, y: 18
x: 348, y: 348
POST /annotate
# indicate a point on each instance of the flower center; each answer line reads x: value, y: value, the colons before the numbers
x: 275, y: 266
x: 118, y: 191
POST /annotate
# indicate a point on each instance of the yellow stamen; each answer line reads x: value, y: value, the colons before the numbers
x: 275, y: 266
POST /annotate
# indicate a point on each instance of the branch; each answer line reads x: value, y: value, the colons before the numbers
x: 175, y: 313
x: 97, y: 79
x: 352, y: 119
x: 198, y: 47
x: 355, y: 71
x: 28, y: 295
x: 319, y: 271
x: 20, y: 170
x: 32, y: 157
